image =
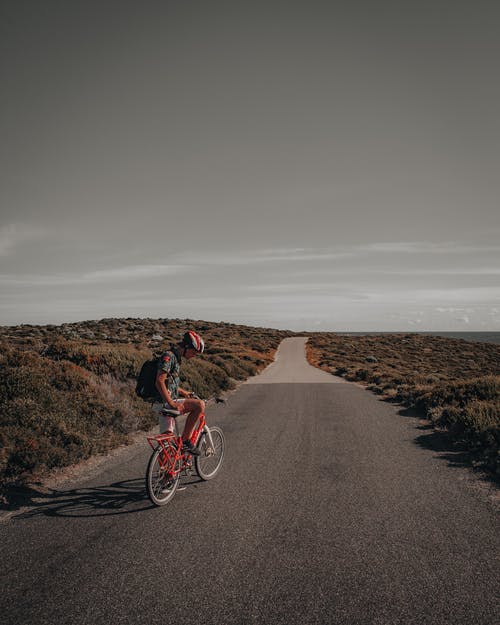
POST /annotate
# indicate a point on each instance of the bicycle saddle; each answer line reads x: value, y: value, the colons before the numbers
x: 170, y: 412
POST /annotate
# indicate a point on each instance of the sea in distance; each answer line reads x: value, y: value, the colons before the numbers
x: 481, y: 337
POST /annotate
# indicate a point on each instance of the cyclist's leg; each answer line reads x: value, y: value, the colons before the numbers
x: 193, y: 408
x: 166, y: 424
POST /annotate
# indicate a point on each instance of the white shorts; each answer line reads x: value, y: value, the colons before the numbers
x: 166, y: 423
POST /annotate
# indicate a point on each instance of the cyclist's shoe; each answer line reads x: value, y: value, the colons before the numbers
x: 190, y: 448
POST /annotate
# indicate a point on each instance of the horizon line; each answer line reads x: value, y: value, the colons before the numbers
x: 235, y: 323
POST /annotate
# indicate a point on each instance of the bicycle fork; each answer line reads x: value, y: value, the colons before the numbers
x: 210, y: 451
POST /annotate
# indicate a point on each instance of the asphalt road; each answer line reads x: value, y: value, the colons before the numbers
x: 330, y: 508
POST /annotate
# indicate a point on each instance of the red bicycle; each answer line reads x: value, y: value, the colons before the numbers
x: 168, y: 460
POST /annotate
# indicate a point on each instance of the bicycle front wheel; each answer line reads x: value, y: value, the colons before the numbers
x: 160, y: 483
x: 208, y: 463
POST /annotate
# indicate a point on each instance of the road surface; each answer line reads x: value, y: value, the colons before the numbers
x: 331, y: 508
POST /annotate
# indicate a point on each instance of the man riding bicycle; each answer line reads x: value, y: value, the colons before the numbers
x: 167, y: 385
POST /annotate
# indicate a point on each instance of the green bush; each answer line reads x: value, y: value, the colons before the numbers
x: 55, y: 413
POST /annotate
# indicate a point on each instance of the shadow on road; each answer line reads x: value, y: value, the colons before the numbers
x: 446, y: 448
x: 124, y: 497
x: 438, y: 441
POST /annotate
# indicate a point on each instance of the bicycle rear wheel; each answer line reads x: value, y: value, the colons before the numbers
x: 160, y: 483
x: 208, y: 463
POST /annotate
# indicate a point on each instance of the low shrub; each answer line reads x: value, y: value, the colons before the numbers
x: 455, y: 383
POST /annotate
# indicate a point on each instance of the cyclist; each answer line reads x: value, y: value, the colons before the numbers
x: 171, y: 395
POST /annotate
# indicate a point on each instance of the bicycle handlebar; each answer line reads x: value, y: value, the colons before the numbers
x: 215, y: 398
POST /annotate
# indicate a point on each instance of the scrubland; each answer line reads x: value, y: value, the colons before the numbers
x: 454, y: 383
x: 67, y: 392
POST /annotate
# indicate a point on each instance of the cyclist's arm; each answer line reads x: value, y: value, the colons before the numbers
x: 183, y: 393
x: 161, y: 377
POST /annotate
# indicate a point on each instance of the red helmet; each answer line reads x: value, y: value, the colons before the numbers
x: 191, y: 339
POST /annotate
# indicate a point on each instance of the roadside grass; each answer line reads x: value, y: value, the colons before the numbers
x: 453, y: 383
x: 67, y: 392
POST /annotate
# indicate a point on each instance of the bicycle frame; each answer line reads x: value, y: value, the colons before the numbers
x: 170, y: 460
x: 173, y: 464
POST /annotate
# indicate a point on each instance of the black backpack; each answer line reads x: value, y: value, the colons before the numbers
x: 146, y: 381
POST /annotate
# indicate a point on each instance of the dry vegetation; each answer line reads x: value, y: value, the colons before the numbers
x: 67, y: 392
x: 455, y: 383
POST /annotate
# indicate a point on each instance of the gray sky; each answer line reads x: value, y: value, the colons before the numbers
x: 303, y: 165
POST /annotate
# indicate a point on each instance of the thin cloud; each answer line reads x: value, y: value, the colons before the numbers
x: 345, y: 286
x: 425, y: 247
x: 362, y: 270
x: 132, y: 273
x: 12, y: 235
x: 338, y: 252
x: 457, y: 311
x: 473, y: 295
x: 252, y: 257
x: 457, y: 271
x: 300, y: 288
x: 407, y: 247
x: 120, y: 274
